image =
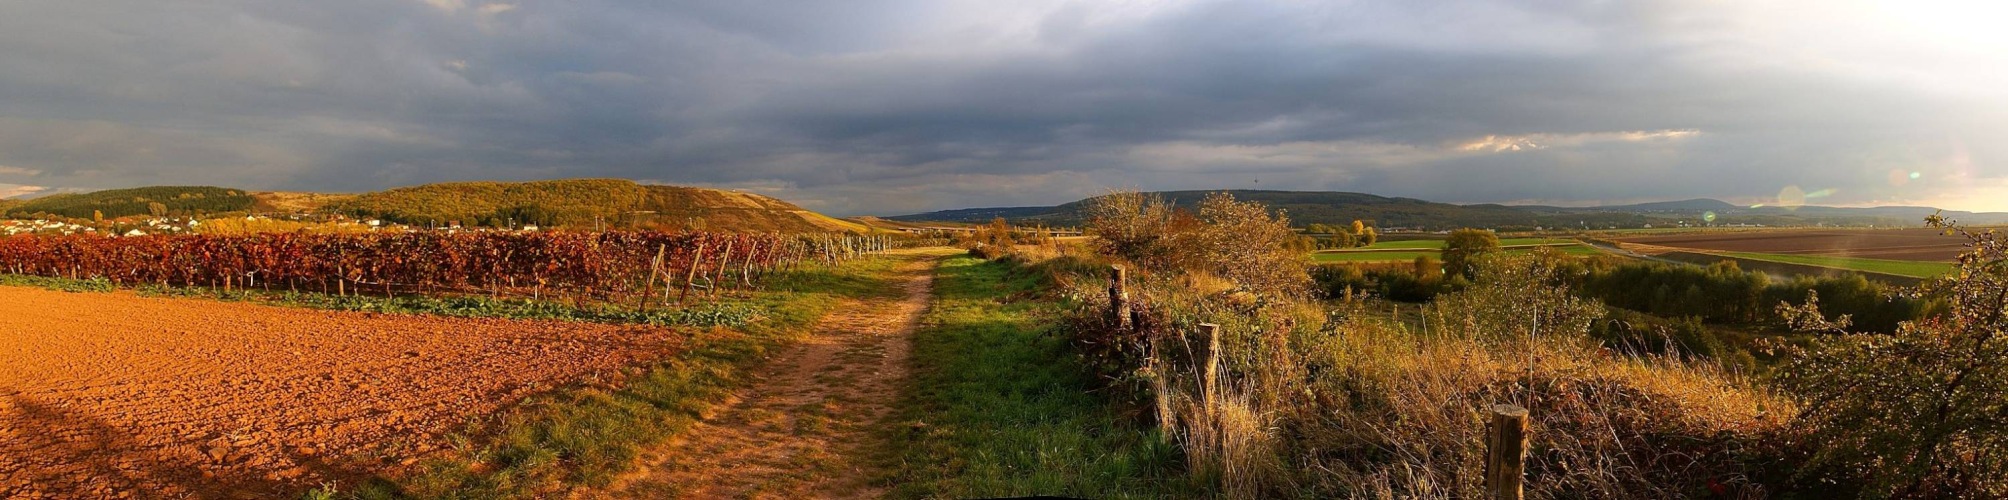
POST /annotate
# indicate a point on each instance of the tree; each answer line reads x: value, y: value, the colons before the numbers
x: 1428, y: 268
x: 1342, y: 239
x: 1917, y: 413
x: 156, y: 209
x: 1464, y: 246
x: 1248, y: 246
x: 1135, y: 227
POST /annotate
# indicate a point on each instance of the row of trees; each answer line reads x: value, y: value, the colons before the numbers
x: 1359, y: 234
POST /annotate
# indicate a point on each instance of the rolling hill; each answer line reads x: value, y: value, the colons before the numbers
x: 157, y: 200
x: 586, y: 202
x: 554, y: 203
x: 1320, y: 207
x: 1309, y: 207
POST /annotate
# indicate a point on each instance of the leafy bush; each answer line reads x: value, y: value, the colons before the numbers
x: 1917, y: 412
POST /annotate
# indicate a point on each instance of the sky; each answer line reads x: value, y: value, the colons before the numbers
x: 899, y: 106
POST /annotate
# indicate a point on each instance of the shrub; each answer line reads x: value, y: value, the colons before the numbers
x: 1918, y: 412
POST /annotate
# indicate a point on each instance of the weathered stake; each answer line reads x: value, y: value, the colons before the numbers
x: 1119, y: 306
x: 654, y: 270
x: 1506, y: 452
x: 696, y: 261
x: 1212, y: 333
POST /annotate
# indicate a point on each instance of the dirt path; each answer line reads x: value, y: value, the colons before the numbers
x: 805, y: 429
x: 107, y: 395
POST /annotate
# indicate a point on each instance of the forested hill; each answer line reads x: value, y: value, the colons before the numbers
x: 586, y: 202
x: 1313, y: 207
x: 145, y: 201
x: 1325, y: 207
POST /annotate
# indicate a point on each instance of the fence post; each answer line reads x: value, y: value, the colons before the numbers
x: 1506, y: 452
x: 1119, y: 306
x: 1212, y: 333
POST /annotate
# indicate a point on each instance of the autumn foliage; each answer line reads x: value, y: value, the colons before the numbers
x: 580, y: 263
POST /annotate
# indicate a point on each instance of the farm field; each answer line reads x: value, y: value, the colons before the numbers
x: 1438, y: 244
x: 1919, y: 244
x: 1913, y: 269
x: 115, y: 392
x: 1391, y: 251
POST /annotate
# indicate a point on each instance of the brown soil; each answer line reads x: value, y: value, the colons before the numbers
x: 805, y: 429
x: 1918, y: 244
x: 118, y: 395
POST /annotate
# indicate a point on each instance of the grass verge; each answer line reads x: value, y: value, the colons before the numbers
x: 1000, y: 407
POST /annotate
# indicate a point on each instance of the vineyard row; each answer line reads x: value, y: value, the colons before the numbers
x: 604, y: 264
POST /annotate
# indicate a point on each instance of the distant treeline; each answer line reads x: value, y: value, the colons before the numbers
x: 148, y: 201
x: 1722, y: 293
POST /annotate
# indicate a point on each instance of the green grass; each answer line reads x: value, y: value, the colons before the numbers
x: 1913, y: 269
x: 1393, y: 256
x: 1397, y: 254
x: 727, y: 312
x: 58, y: 284
x: 706, y: 313
x: 1398, y: 245
x: 1438, y: 244
x: 1000, y: 407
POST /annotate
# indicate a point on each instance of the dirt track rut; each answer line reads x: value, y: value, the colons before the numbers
x: 805, y: 429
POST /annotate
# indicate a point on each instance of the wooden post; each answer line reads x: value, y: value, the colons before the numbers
x: 696, y: 261
x: 1506, y: 452
x: 724, y: 262
x: 1119, y: 306
x: 654, y: 269
x: 1212, y: 333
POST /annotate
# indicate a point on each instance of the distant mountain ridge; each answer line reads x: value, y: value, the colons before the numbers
x: 1332, y: 207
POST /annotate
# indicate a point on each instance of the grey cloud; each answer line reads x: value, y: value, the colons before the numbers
x: 893, y: 106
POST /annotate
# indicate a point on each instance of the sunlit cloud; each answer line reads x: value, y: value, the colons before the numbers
x: 7, y: 170
x: 18, y: 190
x: 1505, y: 143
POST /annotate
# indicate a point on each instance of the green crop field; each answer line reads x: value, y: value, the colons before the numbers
x: 1357, y: 256
x: 1377, y: 253
x: 1438, y: 244
x: 1897, y: 267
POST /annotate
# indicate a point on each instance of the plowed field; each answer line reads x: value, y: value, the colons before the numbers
x: 113, y: 395
x: 1921, y: 244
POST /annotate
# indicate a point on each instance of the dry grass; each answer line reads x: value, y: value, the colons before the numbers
x: 1342, y: 403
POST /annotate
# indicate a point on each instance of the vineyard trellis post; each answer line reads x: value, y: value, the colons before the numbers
x: 696, y: 261
x: 654, y: 270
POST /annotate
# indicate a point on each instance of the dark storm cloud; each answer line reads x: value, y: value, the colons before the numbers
x: 894, y: 106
